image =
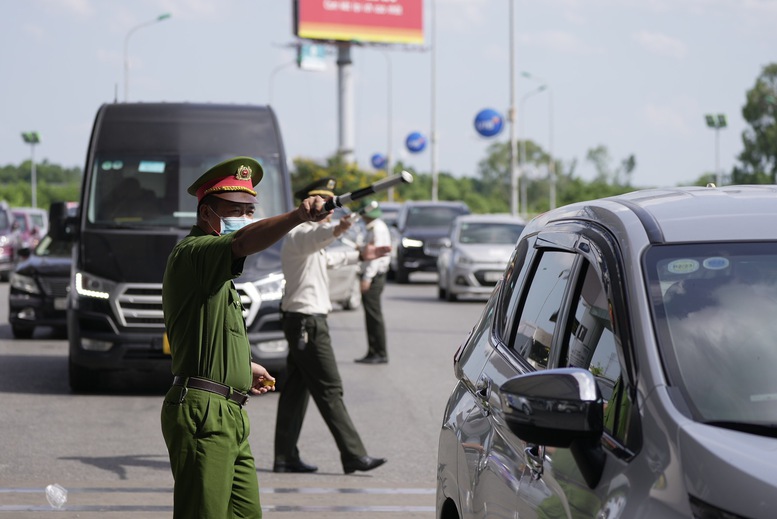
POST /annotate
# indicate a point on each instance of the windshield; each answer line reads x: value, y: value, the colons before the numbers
x: 490, y: 233
x: 432, y: 216
x: 54, y: 248
x: 715, y: 308
x: 150, y: 190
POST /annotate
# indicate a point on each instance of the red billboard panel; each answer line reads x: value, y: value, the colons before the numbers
x: 376, y: 21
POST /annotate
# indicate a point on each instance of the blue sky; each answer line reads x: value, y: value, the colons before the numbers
x: 634, y: 76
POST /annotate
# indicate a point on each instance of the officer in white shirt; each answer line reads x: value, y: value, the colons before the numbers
x: 311, y: 367
x: 373, y: 280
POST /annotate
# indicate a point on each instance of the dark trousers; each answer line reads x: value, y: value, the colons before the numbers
x: 312, y: 370
x: 373, y: 317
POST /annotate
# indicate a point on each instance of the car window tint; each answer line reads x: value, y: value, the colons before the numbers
x: 509, y: 295
x: 590, y: 344
x: 541, y: 307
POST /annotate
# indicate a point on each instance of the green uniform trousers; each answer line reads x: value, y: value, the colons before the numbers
x: 212, y: 464
x: 373, y: 317
x: 311, y: 369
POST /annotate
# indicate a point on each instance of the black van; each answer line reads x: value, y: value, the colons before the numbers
x: 134, y: 208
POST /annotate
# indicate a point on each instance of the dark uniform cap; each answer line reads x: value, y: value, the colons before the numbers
x: 324, y: 188
x: 233, y: 180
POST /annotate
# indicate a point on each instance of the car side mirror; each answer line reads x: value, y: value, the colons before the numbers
x: 445, y: 242
x: 558, y: 408
x: 24, y: 253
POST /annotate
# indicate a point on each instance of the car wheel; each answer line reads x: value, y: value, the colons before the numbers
x: 403, y: 276
x: 354, y: 300
x: 450, y: 296
x: 83, y: 380
x: 441, y: 293
x: 22, y: 332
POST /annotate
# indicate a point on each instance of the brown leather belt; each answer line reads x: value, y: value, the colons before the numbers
x: 213, y: 387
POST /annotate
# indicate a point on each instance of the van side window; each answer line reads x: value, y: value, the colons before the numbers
x: 540, y: 310
x: 590, y: 344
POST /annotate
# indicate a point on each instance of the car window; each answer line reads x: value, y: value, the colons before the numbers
x: 489, y: 233
x: 590, y: 344
x: 432, y: 216
x: 715, y: 306
x: 540, y: 309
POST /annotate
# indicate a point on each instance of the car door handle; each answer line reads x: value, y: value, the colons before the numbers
x: 535, y: 455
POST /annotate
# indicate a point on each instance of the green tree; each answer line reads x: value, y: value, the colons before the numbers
x: 758, y: 160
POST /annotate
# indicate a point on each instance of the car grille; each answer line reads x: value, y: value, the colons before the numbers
x: 141, y: 305
x: 55, y: 287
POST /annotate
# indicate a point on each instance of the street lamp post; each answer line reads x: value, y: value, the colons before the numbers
x: 159, y: 18
x: 389, y: 116
x: 716, y: 123
x: 522, y: 138
x: 433, y: 132
x: 32, y: 138
x: 551, y: 161
x: 515, y: 173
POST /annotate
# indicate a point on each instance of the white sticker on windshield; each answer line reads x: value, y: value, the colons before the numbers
x: 716, y: 263
x: 683, y: 266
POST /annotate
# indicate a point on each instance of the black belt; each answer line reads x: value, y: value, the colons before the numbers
x: 214, y: 387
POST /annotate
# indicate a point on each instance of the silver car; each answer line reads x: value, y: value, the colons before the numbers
x: 344, y: 281
x: 474, y: 256
x: 624, y: 367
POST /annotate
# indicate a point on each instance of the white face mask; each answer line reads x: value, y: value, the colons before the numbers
x: 231, y: 224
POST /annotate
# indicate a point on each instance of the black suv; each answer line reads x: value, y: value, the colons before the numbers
x: 420, y: 230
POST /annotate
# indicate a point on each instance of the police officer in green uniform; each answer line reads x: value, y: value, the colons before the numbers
x: 203, y: 420
x: 311, y: 365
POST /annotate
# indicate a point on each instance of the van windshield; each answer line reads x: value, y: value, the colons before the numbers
x: 150, y: 190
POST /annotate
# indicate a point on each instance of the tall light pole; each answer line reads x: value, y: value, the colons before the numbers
x: 272, y: 78
x: 159, y: 18
x: 515, y: 173
x: 389, y: 117
x: 716, y: 123
x: 522, y: 138
x: 32, y: 138
x: 433, y: 132
x: 551, y: 160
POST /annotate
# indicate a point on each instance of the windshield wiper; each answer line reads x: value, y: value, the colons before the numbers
x: 761, y: 429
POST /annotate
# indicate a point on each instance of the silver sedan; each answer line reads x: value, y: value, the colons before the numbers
x: 475, y: 254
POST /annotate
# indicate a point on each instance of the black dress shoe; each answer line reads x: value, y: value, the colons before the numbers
x: 293, y: 466
x: 363, y: 464
x: 372, y: 359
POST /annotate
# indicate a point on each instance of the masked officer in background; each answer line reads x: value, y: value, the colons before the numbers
x: 311, y: 364
x: 203, y: 421
x: 373, y: 280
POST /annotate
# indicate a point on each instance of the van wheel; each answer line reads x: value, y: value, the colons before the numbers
x: 82, y: 380
x: 22, y: 332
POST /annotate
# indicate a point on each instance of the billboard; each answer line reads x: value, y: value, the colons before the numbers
x: 373, y: 21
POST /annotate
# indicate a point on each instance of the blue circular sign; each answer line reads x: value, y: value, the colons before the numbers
x: 415, y: 142
x: 378, y: 161
x: 489, y: 122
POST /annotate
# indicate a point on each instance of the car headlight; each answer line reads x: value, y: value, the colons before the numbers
x: 88, y: 285
x: 410, y: 243
x: 271, y: 287
x: 463, y: 259
x: 23, y: 283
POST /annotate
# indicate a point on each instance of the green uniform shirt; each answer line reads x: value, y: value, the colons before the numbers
x: 203, y: 313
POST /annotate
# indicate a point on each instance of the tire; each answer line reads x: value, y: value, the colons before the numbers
x: 441, y: 293
x: 450, y: 296
x: 403, y: 276
x: 83, y: 380
x: 22, y: 332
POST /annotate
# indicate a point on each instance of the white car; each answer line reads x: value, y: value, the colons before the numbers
x: 474, y: 256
